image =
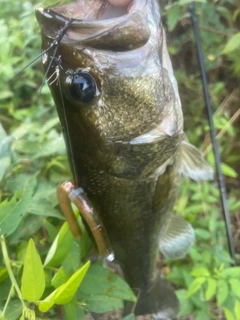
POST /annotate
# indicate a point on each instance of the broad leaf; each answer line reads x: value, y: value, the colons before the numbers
x: 12, y: 212
x: 222, y: 291
x: 44, y: 208
x: 228, y: 314
x: 60, y: 246
x: 233, y: 272
x: 235, y: 286
x: 14, y: 310
x: 232, y: 44
x: 173, y: 15
x: 73, y: 311
x: 237, y: 309
x: 59, y: 278
x: 186, y: 306
x: 228, y: 171
x: 51, y: 229
x: 211, y: 288
x: 66, y: 291
x: 103, y: 291
x: 195, y: 286
x: 200, y: 272
x: 129, y: 317
x: 101, y: 303
x: 100, y: 280
x: 33, y: 278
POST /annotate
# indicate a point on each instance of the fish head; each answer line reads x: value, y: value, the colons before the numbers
x: 113, y: 85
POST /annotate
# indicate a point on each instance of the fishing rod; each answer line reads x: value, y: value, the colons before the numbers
x: 221, y: 183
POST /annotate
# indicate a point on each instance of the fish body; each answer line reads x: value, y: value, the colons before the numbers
x: 121, y: 116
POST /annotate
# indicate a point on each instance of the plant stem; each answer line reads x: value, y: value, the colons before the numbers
x: 8, y: 300
x: 10, y: 271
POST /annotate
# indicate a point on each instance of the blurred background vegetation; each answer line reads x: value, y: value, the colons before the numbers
x: 33, y: 158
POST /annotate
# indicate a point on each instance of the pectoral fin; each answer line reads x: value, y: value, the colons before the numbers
x: 176, y: 238
x: 193, y: 165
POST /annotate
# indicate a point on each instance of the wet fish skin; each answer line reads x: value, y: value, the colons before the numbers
x: 126, y: 145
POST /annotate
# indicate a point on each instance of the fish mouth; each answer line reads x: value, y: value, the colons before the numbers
x: 98, y: 24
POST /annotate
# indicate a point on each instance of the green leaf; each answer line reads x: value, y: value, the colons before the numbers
x: 233, y: 272
x: 237, y: 309
x: 129, y: 317
x: 101, y: 303
x: 186, y: 306
x: 173, y: 14
x: 66, y: 291
x: 14, y: 310
x: 100, y: 280
x: 73, y: 311
x: 44, y: 208
x: 200, y: 272
x: 5, y: 288
x: 211, y: 288
x: 3, y: 274
x: 232, y: 44
x: 235, y: 286
x: 203, y: 314
x: 70, y: 310
x: 72, y: 261
x: 228, y: 314
x: 103, y: 291
x: 59, y: 278
x: 51, y: 229
x: 195, y: 286
x: 228, y: 171
x: 33, y: 278
x: 202, y: 233
x: 60, y: 247
x: 12, y: 212
x: 27, y: 227
x: 222, y: 291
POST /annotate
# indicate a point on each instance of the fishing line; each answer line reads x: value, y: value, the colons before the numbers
x: 56, y: 44
x: 30, y: 63
x: 67, y: 135
x: 221, y: 183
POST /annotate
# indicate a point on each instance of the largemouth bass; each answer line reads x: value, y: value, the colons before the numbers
x: 117, y: 98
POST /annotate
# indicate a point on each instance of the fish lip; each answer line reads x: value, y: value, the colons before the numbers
x: 50, y: 13
x: 126, y: 32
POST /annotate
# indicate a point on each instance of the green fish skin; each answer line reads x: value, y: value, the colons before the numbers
x: 118, y: 103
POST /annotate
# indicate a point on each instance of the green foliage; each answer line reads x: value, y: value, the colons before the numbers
x: 207, y: 283
x: 33, y: 161
x: 33, y: 278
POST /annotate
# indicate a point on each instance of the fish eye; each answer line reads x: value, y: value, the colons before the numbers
x: 83, y: 87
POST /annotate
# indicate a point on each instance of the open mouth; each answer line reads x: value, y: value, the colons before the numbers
x: 98, y: 9
x: 98, y: 24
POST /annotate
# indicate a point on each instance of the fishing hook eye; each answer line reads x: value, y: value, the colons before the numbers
x: 82, y: 86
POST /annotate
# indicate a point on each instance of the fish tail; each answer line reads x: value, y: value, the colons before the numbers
x: 159, y: 301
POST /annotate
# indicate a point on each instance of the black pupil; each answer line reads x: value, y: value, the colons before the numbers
x: 83, y: 87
